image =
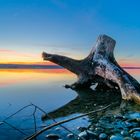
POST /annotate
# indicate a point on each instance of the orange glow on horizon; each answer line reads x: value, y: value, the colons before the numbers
x: 20, y: 76
x: 123, y: 64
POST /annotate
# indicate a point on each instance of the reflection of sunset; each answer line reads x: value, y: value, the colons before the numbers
x: 15, y: 76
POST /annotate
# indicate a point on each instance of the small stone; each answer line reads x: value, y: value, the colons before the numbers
x: 87, y: 135
x: 134, y: 129
x: 128, y: 125
x: 124, y: 133
x: 98, y: 130
x: 135, y: 115
x: 52, y: 137
x: 116, y: 137
x: 128, y: 138
x: 103, y: 136
x: 81, y: 129
x: 91, y: 128
x: 134, y: 120
x: 119, y: 117
x: 70, y: 135
x: 67, y: 86
x: 57, y: 128
x: 44, y: 117
x: 136, y: 135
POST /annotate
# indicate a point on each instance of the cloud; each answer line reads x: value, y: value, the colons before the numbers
x: 7, y: 55
x: 13, y: 52
x: 6, y: 51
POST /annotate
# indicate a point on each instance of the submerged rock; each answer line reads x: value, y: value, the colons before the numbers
x: 70, y: 135
x: 103, y: 136
x: 134, y: 115
x: 116, y: 137
x: 44, y: 117
x: 57, y: 128
x: 128, y: 138
x: 134, y: 129
x: 52, y: 137
x: 81, y: 129
x: 87, y: 135
x: 124, y: 133
x: 136, y: 135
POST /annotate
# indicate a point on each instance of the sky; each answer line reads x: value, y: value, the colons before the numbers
x: 68, y: 27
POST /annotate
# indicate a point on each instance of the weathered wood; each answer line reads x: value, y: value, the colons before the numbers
x: 100, y: 67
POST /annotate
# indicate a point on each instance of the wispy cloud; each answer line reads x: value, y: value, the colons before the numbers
x: 7, y: 55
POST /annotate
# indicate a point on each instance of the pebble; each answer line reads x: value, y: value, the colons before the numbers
x: 128, y: 125
x: 119, y: 117
x: 136, y: 135
x: 124, y: 133
x: 134, y: 129
x: 116, y: 137
x: 57, y: 128
x: 134, y: 115
x: 128, y: 138
x: 44, y: 117
x: 87, y: 135
x: 103, y: 136
x: 81, y: 129
x: 52, y: 137
x: 70, y: 135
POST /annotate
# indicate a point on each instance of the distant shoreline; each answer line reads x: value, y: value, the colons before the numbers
x: 25, y: 66
x: 29, y: 66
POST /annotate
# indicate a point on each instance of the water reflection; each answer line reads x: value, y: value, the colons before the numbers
x: 86, y: 101
x: 45, y: 89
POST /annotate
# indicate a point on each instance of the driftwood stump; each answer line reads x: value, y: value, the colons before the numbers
x: 100, y: 67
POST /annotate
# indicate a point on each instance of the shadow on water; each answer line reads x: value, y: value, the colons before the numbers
x: 88, y: 100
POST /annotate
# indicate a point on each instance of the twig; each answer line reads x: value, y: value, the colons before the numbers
x: 34, y: 118
x: 64, y: 121
x: 56, y: 121
x: 16, y: 112
x: 15, y: 128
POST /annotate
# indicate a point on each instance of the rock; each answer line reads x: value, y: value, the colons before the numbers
x: 128, y: 125
x: 70, y: 135
x: 98, y: 130
x: 103, y: 136
x: 87, y: 135
x: 136, y: 135
x: 116, y: 137
x: 81, y: 129
x: 124, y: 133
x: 44, y: 117
x: 137, y: 120
x: 52, y: 137
x: 135, y: 115
x: 119, y: 117
x: 128, y: 138
x: 119, y: 124
x: 91, y: 128
x: 134, y: 129
x: 57, y: 128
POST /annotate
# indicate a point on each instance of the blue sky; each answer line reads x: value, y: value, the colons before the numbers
x: 68, y: 27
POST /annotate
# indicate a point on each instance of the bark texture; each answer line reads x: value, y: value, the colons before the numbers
x: 100, y: 67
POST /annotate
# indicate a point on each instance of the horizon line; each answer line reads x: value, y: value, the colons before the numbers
x: 47, y: 66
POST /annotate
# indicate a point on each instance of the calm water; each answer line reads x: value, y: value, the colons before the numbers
x: 44, y: 88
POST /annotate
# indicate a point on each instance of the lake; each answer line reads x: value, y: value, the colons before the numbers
x: 45, y: 89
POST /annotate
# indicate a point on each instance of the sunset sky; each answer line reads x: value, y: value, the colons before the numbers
x: 67, y: 27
